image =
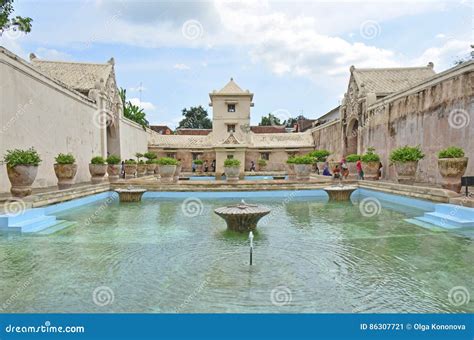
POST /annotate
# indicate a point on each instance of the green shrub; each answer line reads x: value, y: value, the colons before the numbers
x: 141, y: 161
x: 150, y: 161
x: 262, y: 162
x: 149, y: 155
x: 451, y: 152
x: 352, y: 158
x: 113, y: 159
x: 167, y: 161
x: 65, y: 159
x: 370, y: 156
x: 22, y: 157
x: 98, y: 160
x: 290, y: 160
x: 231, y: 162
x: 320, y: 155
x: 304, y: 159
x: 198, y: 161
x: 406, y: 154
x: 130, y: 161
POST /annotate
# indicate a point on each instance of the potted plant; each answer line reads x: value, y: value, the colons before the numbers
x: 130, y: 168
x: 97, y: 169
x: 22, y: 167
x: 113, y: 168
x: 150, y: 163
x: 290, y: 163
x: 177, y: 172
x: 198, y: 163
x: 371, y: 164
x: 320, y: 157
x: 167, y: 168
x: 452, y: 164
x: 65, y: 169
x: 232, y: 169
x: 262, y: 164
x: 303, y: 165
x: 406, y: 160
x: 351, y: 161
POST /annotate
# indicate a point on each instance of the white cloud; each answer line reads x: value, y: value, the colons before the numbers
x: 440, y: 35
x: 52, y: 54
x: 445, y: 55
x: 147, y: 106
x: 181, y: 67
x: 139, y: 88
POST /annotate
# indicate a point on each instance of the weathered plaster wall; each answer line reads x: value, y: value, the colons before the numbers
x: 435, y: 115
x: 329, y: 137
x: 36, y: 111
x: 133, y: 138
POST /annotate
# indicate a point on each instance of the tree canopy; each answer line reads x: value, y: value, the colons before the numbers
x: 7, y: 22
x: 133, y: 112
x: 196, y: 117
x: 269, y: 119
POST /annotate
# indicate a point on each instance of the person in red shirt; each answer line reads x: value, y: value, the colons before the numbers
x: 360, y: 172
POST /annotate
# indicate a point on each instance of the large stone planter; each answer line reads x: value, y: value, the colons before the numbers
x: 97, y: 172
x: 113, y: 171
x: 130, y: 170
x: 166, y: 173
x: 232, y: 173
x: 141, y: 170
x: 65, y: 174
x: 21, y: 178
x: 177, y: 172
x: 199, y: 168
x: 352, y: 166
x: 291, y: 171
x: 150, y: 169
x: 371, y: 170
x: 302, y: 171
x: 406, y: 172
x: 452, y: 169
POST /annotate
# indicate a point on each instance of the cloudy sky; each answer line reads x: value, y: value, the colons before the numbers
x: 295, y: 56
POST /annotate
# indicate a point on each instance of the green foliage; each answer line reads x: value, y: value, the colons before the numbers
x: 139, y: 155
x: 167, y: 161
x: 231, y: 162
x: 320, y: 155
x: 97, y: 160
x: 406, y: 154
x: 451, y: 152
x: 150, y: 155
x: 198, y: 162
x: 22, y: 157
x: 262, y: 162
x: 370, y: 156
x: 195, y: 118
x: 352, y: 158
x: 130, y: 162
x: 65, y: 159
x: 290, y: 160
x: 113, y: 159
x: 16, y: 23
x: 270, y: 119
x: 150, y: 161
x: 133, y: 112
x: 306, y: 159
x: 141, y: 161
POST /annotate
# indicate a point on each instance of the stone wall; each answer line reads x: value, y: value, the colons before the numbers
x: 133, y: 138
x: 436, y: 114
x: 329, y: 137
x: 37, y: 111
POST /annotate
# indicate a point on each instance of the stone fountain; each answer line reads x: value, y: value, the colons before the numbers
x: 340, y: 192
x: 130, y: 194
x: 242, y: 217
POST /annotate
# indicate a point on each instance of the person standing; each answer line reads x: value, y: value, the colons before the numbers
x: 344, y: 168
x: 206, y: 166
x: 360, y: 172
x: 252, y: 166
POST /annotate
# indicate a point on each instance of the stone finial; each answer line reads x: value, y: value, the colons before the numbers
x: 231, y: 79
x: 352, y: 68
x: 111, y: 61
x: 430, y: 65
x: 33, y: 56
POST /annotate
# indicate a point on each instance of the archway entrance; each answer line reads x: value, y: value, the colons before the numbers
x: 352, y: 136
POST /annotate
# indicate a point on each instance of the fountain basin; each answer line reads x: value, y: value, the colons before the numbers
x: 242, y: 217
x: 130, y: 195
x: 339, y: 193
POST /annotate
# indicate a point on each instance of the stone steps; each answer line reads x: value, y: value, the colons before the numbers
x: 449, y: 216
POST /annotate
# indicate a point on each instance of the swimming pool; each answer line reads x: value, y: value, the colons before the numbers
x: 171, y: 253
x: 248, y: 178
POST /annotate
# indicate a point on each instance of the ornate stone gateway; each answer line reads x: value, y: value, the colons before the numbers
x: 242, y: 217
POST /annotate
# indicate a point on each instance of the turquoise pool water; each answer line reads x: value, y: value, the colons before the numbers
x: 249, y: 178
x: 174, y: 255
